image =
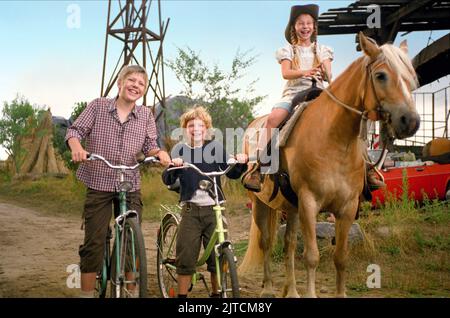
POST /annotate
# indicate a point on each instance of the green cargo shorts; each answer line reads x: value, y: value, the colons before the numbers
x: 98, y: 209
x: 196, y: 227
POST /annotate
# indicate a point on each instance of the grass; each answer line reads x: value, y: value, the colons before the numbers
x: 55, y: 196
x: 413, y: 253
x: 240, y: 248
x: 65, y: 196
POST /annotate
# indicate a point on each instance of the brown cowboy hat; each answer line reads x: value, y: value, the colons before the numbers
x: 311, y: 9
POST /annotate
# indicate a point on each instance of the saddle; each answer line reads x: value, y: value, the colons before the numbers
x: 304, y: 96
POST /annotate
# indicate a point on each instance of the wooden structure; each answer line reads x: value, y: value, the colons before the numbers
x: 396, y: 16
x: 129, y: 22
x: 41, y: 156
x: 430, y: 64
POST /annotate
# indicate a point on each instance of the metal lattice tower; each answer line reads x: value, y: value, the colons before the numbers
x: 129, y: 22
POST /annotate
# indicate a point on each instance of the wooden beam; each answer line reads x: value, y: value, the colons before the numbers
x: 380, y: 2
x: 430, y: 15
x: 424, y: 27
x: 406, y: 10
x: 341, y: 30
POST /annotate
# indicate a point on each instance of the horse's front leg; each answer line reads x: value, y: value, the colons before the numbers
x: 267, y: 221
x: 267, y: 291
x: 308, y: 210
x: 290, y: 243
x: 344, y: 221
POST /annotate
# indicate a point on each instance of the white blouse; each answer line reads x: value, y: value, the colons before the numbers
x: 306, y: 55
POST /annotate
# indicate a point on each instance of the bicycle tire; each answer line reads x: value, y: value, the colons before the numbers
x: 165, y: 259
x: 101, y: 281
x: 102, y: 277
x: 133, y: 267
x: 228, y: 274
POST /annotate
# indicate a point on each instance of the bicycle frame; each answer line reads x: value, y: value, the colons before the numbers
x: 119, y: 223
x: 119, y: 238
x: 217, y: 240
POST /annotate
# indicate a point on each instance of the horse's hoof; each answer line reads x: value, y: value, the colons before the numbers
x: 267, y: 294
x: 292, y: 295
x: 343, y: 295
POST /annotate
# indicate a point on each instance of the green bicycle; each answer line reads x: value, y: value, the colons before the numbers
x: 126, y: 265
x: 226, y: 272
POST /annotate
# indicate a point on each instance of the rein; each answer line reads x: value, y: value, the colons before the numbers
x: 365, y: 115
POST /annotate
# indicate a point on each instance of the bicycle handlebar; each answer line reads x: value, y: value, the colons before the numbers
x: 231, y: 163
x: 152, y: 159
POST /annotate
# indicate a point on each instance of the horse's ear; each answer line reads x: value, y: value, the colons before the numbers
x: 404, y: 46
x: 369, y: 46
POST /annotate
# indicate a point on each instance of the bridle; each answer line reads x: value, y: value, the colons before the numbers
x: 377, y: 114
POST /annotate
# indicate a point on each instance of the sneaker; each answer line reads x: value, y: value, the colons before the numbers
x: 252, y: 179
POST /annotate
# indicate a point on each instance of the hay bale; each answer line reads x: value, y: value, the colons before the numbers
x: 41, y: 157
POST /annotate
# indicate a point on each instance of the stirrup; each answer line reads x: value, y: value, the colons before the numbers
x: 376, y: 183
x: 248, y: 174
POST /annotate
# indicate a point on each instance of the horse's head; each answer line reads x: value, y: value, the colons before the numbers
x: 392, y: 79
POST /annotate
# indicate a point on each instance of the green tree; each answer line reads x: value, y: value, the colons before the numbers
x: 18, y: 119
x: 220, y: 91
x: 77, y: 110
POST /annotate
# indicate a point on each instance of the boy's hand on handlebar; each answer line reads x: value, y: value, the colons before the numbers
x: 242, y: 158
x: 177, y: 162
x: 77, y: 150
x: 164, y: 158
x: 79, y: 155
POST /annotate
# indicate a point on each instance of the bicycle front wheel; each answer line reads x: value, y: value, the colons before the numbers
x: 101, y: 281
x: 132, y: 279
x: 166, y: 270
x: 228, y: 274
x: 102, y: 278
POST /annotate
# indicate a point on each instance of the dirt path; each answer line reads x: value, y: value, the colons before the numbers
x: 36, y: 250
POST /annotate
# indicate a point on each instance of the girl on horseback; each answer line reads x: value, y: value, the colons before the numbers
x: 304, y: 63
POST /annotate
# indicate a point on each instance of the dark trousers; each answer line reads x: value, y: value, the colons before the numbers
x: 196, y: 227
x: 98, y: 209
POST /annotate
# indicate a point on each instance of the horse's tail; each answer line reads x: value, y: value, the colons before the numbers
x: 267, y: 217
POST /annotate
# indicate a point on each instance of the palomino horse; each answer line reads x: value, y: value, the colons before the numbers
x: 323, y: 157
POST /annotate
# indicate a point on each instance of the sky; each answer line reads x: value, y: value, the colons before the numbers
x: 54, y: 62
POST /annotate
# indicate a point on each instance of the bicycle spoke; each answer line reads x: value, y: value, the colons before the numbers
x: 166, y: 258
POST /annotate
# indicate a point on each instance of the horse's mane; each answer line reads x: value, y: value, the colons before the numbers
x: 395, y: 59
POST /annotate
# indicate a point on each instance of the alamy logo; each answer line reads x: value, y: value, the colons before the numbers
x: 233, y: 140
x: 374, y: 20
x: 73, y: 280
x: 74, y: 19
x: 374, y: 279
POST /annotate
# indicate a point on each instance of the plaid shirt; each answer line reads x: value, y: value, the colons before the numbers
x: 118, y: 142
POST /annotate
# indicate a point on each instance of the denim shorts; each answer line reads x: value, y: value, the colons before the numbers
x: 285, y: 103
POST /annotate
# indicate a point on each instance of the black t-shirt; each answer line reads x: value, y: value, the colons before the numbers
x: 209, y: 157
